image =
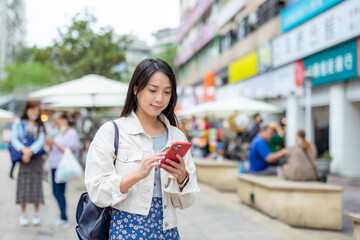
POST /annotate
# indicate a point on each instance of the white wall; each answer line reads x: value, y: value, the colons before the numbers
x: 344, y: 132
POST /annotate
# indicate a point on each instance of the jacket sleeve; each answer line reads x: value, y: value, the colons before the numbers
x: 186, y: 197
x: 39, y: 143
x: 15, y: 134
x: 101, y: 179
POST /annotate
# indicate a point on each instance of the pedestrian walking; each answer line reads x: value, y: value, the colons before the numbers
x: 143, y: 196
x: 29, y: 181
x: 67, y: 137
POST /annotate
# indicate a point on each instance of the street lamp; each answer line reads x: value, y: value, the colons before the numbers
x: 308, y: 126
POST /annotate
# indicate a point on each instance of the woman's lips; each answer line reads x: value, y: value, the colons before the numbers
x: 155, y: 107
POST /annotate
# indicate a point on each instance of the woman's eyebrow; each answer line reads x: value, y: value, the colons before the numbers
x: 157, y: 86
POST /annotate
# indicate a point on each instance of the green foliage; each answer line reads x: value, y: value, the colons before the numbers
x: 23, y: 74
x: 168, y: 55
x: 81, y: 51
x: 78, y: 51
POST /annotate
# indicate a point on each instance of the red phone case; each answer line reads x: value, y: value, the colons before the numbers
x: 180, y: 148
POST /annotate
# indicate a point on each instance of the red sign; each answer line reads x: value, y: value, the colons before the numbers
x: 299, y: 73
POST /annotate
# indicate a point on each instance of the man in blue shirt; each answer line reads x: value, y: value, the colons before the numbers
x: 260, y: 156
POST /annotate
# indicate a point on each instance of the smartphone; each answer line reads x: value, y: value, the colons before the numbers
x: 180, y: 148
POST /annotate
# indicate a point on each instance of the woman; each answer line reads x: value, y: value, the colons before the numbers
x: 143, y: 196
x: 301, y: 160
x: 67, y: 137
x: 29, y: 182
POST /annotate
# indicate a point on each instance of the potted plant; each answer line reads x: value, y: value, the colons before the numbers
x: 323, y: 163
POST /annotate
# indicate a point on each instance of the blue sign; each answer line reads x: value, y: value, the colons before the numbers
x: 336, y: 64
x: 302, y: 11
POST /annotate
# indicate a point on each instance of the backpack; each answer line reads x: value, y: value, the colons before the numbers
x: 93, y: 221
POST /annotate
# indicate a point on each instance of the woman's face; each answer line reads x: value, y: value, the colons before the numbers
x: 155, y: 97
x: 33, y: 113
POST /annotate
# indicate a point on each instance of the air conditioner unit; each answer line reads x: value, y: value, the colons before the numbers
x: 253, y: 19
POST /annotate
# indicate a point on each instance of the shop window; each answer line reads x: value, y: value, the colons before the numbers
x: 269, y: 10
x: 227, y: 41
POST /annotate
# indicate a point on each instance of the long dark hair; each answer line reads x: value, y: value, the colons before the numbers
x: 140, y: 79
x: 32, y: 103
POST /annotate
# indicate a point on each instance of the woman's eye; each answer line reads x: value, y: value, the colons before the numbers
x: 152, y: 91
x: 167, y: 92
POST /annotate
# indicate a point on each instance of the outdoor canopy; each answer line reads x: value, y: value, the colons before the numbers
x: 6, y: 114
x: 89, y: 91
x: 229, y: 106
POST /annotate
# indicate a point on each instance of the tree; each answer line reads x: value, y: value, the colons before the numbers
x: 80, y: 51
x: 168, y: 55
x: 24, y: 74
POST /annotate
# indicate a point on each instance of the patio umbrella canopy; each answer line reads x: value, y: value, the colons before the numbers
x: 6, y: 114
x: 229, y: 106
x: 89, y: 91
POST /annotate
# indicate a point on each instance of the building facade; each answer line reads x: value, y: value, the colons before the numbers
x: 12, y: 31
x: 163, y: 38
x: 269, y: 50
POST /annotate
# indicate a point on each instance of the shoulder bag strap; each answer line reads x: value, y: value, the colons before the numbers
x: 116, y: 139
x: 311, y: 163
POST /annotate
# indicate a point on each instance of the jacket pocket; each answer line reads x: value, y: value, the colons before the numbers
x: 128, y: 156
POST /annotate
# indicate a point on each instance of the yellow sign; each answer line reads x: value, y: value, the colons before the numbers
x: 243, y: 68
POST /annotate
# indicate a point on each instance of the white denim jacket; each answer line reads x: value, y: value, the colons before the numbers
x: 102, y: 178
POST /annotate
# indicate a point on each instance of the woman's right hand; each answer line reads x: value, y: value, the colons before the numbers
x: 149, y: 162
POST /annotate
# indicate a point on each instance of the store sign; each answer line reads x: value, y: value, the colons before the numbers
x: 337, y: 64
x: 209, y: 86
x: 299, y: 73
x: 303, y: 11
x: 243, y: 68
x: 264, y: 57
x: 334, y: 26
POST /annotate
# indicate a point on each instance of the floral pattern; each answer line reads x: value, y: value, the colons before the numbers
x: 125, y: 225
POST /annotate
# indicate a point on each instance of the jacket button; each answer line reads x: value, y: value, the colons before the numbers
x: 154, y: 183
x: 166, y: 224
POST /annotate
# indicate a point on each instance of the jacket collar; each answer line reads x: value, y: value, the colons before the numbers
x: 134, y: 125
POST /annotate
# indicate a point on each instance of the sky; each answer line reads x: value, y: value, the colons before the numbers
x: 138, y: 17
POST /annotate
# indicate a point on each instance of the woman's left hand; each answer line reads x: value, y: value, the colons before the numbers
x: 176, y: 169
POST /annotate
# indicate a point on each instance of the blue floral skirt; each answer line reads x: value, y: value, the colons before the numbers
x: 124, y: 225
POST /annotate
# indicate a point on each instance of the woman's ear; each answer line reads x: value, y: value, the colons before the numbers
x: 135, y: 90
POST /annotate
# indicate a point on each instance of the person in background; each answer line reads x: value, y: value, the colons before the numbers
x: 301, y: 160
x: 29, y: 182
x: 260, y: 156
x: 67, y: 137
x: 256, y: 128
x: 277, y: 139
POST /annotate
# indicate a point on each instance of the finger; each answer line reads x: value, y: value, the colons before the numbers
x: 181, y: 159
x: 154, y: 158
x: 170, y: 172
x: 155, y: 164
x: 172, y: 163
x: 170, y: 168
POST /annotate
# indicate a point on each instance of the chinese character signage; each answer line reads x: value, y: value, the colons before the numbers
x: 336, y: 25
x: 337, y: 64
x: 302, y: 11
x: 243, y: 68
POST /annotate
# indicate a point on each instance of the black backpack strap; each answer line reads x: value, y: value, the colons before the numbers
x: 311, y: 163
x: 116, y: 139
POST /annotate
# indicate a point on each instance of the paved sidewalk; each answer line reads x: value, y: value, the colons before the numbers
x: 214, y: 216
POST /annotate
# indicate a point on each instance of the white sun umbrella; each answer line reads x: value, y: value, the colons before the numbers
x: 89, y: 91
x: 6, y: 114
x: 229, y: 106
